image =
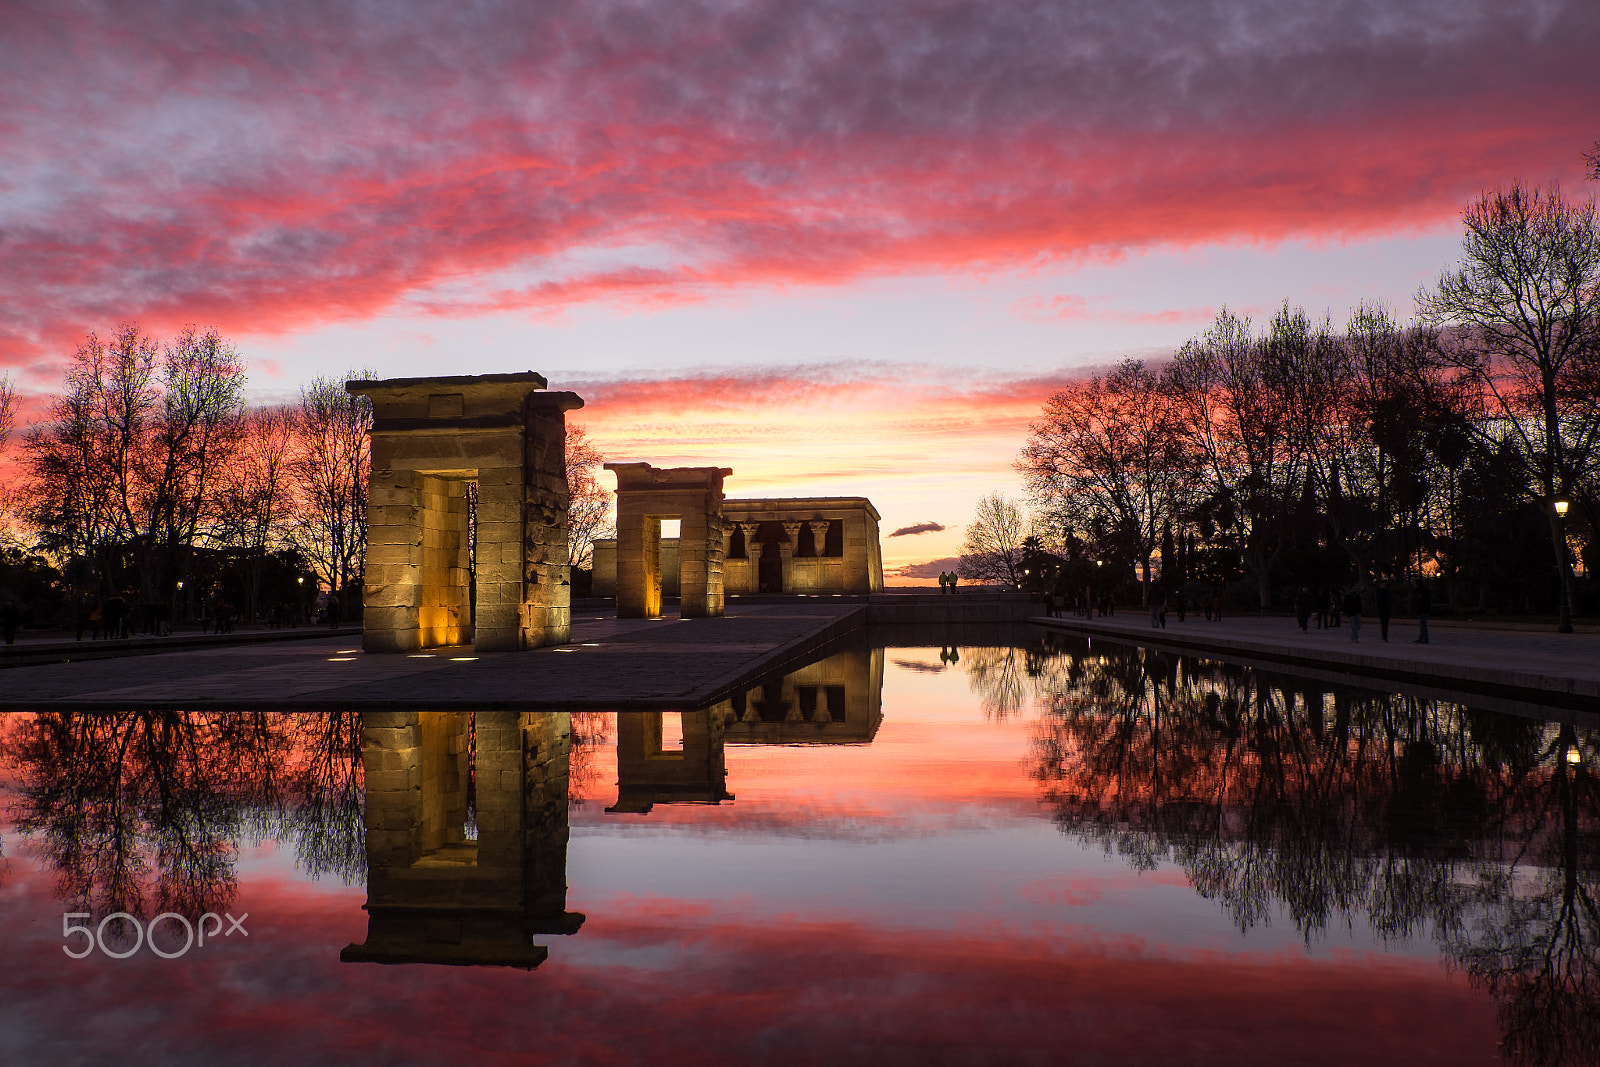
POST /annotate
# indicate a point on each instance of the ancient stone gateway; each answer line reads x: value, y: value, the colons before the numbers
x: 427, y: 583
x: 645, y: 496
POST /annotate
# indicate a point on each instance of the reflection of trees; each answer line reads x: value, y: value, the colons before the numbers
x: 1535, y: 939
x: 140, y: 811
x: 1274, y: 793
x: 1005, y: 679
x: 590, y: 731
x: 999, y: 677
x: 144, y: 811
x: 320, y: 807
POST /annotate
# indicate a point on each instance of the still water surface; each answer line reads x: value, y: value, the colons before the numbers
x: 1025, y: 853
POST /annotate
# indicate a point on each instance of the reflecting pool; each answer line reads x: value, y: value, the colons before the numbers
x: 1003, y: 850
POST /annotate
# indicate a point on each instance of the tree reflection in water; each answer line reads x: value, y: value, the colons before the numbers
x: 144, y: 812
x: 1271, y: 792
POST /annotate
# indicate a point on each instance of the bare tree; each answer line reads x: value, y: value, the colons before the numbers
x: 1114, y: 457
x: 8, y: 409
x: 992, y: 551
x: 130, y: 457
x: 588, y: 502
x: 1525, y: 304
x: 202, y: 379
x: 330, y: 469
x: 255, y: 494
x: 1244, y: 400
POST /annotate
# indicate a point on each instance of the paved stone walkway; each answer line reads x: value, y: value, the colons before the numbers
x: 57, y: 647
x: 609, y: 663
x: 1531, y: 665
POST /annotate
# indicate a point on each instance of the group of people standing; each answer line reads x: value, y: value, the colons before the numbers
x: 1327, y: 608
x: 947, y: 581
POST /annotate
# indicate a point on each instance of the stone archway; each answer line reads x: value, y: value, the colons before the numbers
x: 645, y: 496
x: 431, y: 437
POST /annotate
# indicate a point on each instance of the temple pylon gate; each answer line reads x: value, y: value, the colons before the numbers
x: 645, y: 496
x: 431, y: 439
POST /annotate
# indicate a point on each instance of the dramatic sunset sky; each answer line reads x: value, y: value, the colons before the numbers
x: 843, y: 248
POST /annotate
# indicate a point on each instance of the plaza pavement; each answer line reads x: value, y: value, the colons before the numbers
x: 1523, y: 664
x: 608, y: 664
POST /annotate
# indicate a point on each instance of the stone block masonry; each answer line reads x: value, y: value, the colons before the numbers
x: 426, y: 584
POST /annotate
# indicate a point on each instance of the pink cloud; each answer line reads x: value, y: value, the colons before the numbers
x: 272, y: 172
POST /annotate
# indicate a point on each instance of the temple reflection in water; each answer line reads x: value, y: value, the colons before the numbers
x: 467, y: 812
x: 678, y: 758
x: 467, y: 833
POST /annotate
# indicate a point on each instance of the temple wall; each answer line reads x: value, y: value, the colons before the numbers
x: 859, y: 569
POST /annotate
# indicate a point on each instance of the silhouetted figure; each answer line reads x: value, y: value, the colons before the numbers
x: 1422, y: 602
x: 1352, y: 608
x: 1385, y: 604
x: 1216, y: 606
x: 80, y: 617
x: 10, y: 619
x: 1158, y: 606
x: 115, y: 613
x: 333, y: 611
x: 954, y: 578
x: 1180, y: 604
x: 1302, y: 608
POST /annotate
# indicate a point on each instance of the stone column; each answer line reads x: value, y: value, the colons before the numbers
x: 819, y: 535
x: 639, y: 566
x: 700, y: 559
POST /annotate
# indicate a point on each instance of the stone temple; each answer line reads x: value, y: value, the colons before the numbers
x: 813, y: 545
x: 443, y: 448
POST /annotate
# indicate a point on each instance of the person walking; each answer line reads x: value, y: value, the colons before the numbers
x: 1384, y: 600
x: 1352, y: 609
x: 1422, y: 602
x: 1180, y: 604
x: 1158, y: 606
x: 1302, y: 608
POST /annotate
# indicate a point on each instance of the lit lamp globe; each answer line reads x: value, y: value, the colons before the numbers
x: 1561, y: 508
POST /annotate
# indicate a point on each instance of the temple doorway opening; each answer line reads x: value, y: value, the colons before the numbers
x: 771, y: 568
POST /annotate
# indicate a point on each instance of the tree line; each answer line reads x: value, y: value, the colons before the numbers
x: 1462, y: 446
x: 149, y: 478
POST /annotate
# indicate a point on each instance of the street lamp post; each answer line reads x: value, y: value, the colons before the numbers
x: 1565, y: 571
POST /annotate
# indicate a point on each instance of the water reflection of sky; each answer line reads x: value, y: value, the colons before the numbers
x: 911, y: 899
